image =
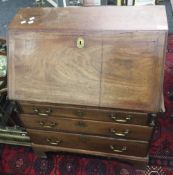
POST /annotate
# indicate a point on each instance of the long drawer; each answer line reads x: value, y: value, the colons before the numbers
x: 86, y: 142
x: 137, y: 162
x: 99, y: 114
x: 101, y: 128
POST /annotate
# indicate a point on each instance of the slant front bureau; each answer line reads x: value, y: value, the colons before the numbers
x: 89, y: 79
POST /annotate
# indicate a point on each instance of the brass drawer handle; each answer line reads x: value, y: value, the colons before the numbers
x: 120, y: 120
x: 49, y: 125
x: 55, y: 143
x: 121, y: 134
x: 123, y: 149
x: 38, y: 112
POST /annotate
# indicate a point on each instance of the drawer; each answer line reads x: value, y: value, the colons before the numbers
x: 98, y: 114
x: 86, y: 142
x: 137, y: 162
x: 101, y: 128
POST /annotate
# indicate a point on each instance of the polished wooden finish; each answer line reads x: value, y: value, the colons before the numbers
x: 139, y: 162
x: 91, y: 143
x: 94, y: 19
x: 132, y: 71
x: 84, y: 112
x: 96, y: 66
x: 89, y: 80
x: 109, y: 129
x: 64, y: 71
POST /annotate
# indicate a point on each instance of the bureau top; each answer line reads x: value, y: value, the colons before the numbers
x: 103, y: 18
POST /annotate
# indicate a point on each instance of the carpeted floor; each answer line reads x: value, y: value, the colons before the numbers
x: 17, y: 160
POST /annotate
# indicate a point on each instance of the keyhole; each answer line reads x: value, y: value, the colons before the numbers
x: 80, y: 42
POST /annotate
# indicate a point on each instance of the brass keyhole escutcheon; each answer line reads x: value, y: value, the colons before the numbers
x: 80, y: 43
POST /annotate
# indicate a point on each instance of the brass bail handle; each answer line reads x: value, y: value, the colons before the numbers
x: 80, y: 42
x: 120, y: 134
x: 53, y: 142
x: 45, y: 113
x: 121, y: 150
x: 49, y: 125
x: 120, y: 120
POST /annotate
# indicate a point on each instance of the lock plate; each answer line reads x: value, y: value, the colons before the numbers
x: 80, y: 43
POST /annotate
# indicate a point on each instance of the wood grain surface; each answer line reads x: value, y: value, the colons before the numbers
x: 90, y: 143
x: 104, y: 18
x: 84, y: 112
x: 119, y: 71
x: 138, y: 162
x: 109, y: 129
x: 132, y: 71
x: 50, y: 68
x: 117, y: 67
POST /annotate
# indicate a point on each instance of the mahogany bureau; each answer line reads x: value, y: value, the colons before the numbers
x: 89, y: 79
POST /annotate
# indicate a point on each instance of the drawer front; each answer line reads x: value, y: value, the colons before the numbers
x: 88, y: 127
x: 86, y: 113
x: 138, y: 162
x: 85, y: 142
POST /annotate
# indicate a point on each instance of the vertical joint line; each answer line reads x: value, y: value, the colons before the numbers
x: 101, y: 60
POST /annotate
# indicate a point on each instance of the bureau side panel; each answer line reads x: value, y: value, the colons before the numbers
x: 132, y: 70
x: 47, y: 67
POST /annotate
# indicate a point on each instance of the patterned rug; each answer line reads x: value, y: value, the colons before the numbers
x: 16, y: 160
